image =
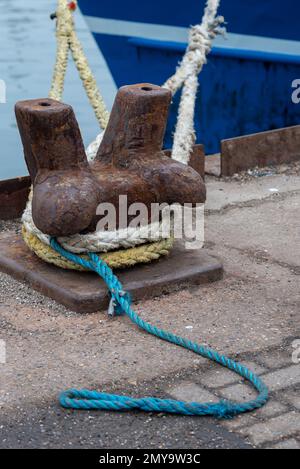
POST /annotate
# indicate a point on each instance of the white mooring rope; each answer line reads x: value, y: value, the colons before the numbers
x: 186, y: 76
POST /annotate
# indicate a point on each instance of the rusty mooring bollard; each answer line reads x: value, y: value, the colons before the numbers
x: 130, y: 161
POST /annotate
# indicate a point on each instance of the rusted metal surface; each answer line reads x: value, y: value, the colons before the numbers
x: 197, y: 159
x: 262, y: 149
x: 87, y: 293
x: 65, y: 190
x: 13, y: 197
x: 130, y: 160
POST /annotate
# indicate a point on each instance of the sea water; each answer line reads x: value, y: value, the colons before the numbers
x: 27, y: 57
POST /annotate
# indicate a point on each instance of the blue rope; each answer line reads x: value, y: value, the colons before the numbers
x: 84, y: 399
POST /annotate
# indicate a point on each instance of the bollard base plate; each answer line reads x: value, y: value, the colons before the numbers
x: 87, y: 293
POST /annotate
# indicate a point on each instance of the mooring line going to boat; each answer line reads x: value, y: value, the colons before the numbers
x: 121, y: 304
x: 67, y: 40
x: 200, y: 41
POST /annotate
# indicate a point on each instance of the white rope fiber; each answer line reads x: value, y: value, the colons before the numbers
x: 199, y: 46
x: 67, y: 40
x: 186, y: 76
x: 93, y: 147
x: 104, y: 241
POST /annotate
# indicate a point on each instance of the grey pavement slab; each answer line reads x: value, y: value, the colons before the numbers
x: 224, y: 194
x: 283, y: 378
x: 252, y: 315
x: 287, y: 444
x: 273, y: 429
x: 193, y: 393
x: 268, y: 230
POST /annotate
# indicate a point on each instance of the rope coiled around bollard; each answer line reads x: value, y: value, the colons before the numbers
x: 88, y: 400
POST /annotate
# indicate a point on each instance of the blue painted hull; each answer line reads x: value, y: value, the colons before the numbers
x: 246, y: 86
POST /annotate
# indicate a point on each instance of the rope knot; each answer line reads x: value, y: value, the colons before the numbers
x: 199, y: 38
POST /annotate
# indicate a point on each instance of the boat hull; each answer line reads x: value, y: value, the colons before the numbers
x: 246, y: 86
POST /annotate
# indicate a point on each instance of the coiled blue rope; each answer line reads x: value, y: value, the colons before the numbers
x: 84, y: 399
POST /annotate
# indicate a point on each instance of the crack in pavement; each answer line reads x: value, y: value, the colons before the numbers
x: 251, y: 203
x: 259, y: 255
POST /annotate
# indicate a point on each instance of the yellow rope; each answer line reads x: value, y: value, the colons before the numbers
x: 67, y: 40
x: 115, y: 259
x: 63, y: 45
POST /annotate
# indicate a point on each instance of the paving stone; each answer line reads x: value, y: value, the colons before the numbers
x: 252, y: 229
x: 271, y: 409
x: 293, y: 398
x: 238, y: 392
x: 243, y: 420
x: 277, y: 359
x: 287, y: 444
x: 215, y: 379
x: 193, y: 393
x: 278, y: 427
x: 283, y: 378
x: 257, y: 369
x: 220, y: 378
